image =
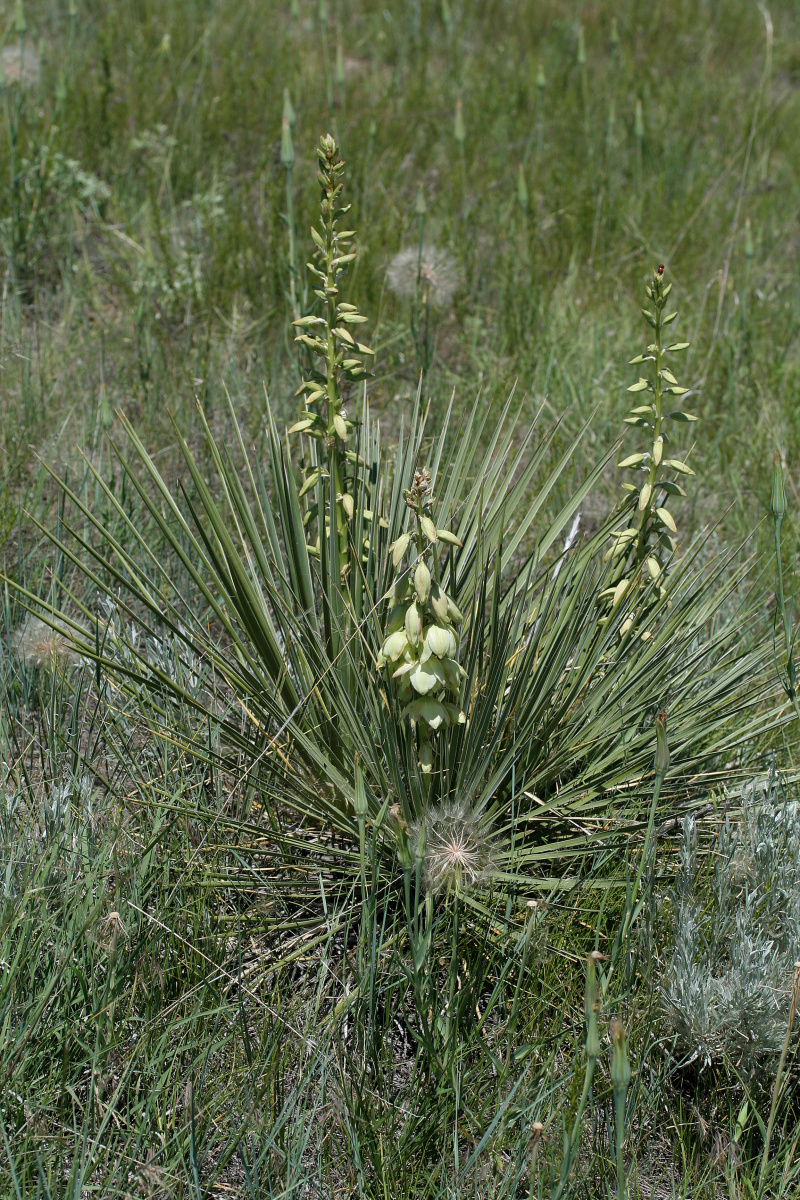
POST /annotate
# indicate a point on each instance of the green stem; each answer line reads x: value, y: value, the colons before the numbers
x: 630, y: 903
x: 776, y: 1091
x: 574, y: 1135
x: 292, y: 243
x: 619, y: 1138
x: 338, y: 521
x: 782, y: 604
x: 651, y: 475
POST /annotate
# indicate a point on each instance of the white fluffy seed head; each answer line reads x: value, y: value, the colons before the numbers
x: 37, y: 645
x: 458, y: 848
x: 437, y: 270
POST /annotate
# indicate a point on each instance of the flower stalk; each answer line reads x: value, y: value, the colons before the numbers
x: 573, y: 1139
x: 620, y: 1081
x: 779, y: 507
x: 641, y: 548
x: 329, y: 338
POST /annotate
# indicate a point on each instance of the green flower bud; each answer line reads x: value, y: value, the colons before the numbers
x: 638, y: 124
x: 778, y: 500
x: 422, y: 581
x: 592, y: 1004
x: 541, y: 80
x: 287, y: 146
x: 661, y: 763
x: 581, y: 47
x: 620, y: 1066
x: 360, y: 793
x: 459, y: 128
x: 422, y: 836
x: 522, y: 189
x: 421, y: 207
x: 339, y: 69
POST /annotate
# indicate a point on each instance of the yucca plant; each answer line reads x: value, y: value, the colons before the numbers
x: 543, y: 717
x: 558, y: 729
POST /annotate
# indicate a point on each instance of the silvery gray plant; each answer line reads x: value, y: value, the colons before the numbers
x: 727, y: 990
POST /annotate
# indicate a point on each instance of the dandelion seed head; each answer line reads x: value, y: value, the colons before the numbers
x: 21, y: 66
x: 38, y: 645
x: 458, y: 848
x: 438, y: 275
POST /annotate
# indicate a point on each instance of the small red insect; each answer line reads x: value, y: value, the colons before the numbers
x: 661, y: 268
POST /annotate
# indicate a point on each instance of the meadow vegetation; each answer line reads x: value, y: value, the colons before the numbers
x: 398, y: 419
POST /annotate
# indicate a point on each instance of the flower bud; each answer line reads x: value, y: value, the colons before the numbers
x: 592, y: 1004
x: 459, y: 128
x: 778, y: 500
x: 421, y: 207
x: 661, y: 763
x: 638, y: 123
x: 360, y: 793
x: 620, y: 1065
x: 522, y: 189
x: 541, y: 80
x: 287, y: 147
x: 422, y: 582
x: 339, y: 69
x: 422, y: 836
x: 581, y: 47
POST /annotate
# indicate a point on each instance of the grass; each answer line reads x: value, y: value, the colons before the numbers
x: 222, y: 968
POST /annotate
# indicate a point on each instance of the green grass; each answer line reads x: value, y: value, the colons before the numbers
x: 208, y: 986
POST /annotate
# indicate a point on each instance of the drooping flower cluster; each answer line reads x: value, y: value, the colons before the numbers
x: 420, y: 640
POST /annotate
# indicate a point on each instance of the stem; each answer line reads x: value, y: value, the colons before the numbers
x: 777, y: 1089
x: 338, y: 522
x: 628, y: 917
x: 292, y: 242
x: 651, y: 475
x: 574, y: 1135
x: 619, y: 1138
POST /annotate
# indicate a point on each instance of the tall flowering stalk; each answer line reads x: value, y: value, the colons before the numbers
x: 330, y: 341
x: 650, y: 535
x: 779, y: 507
